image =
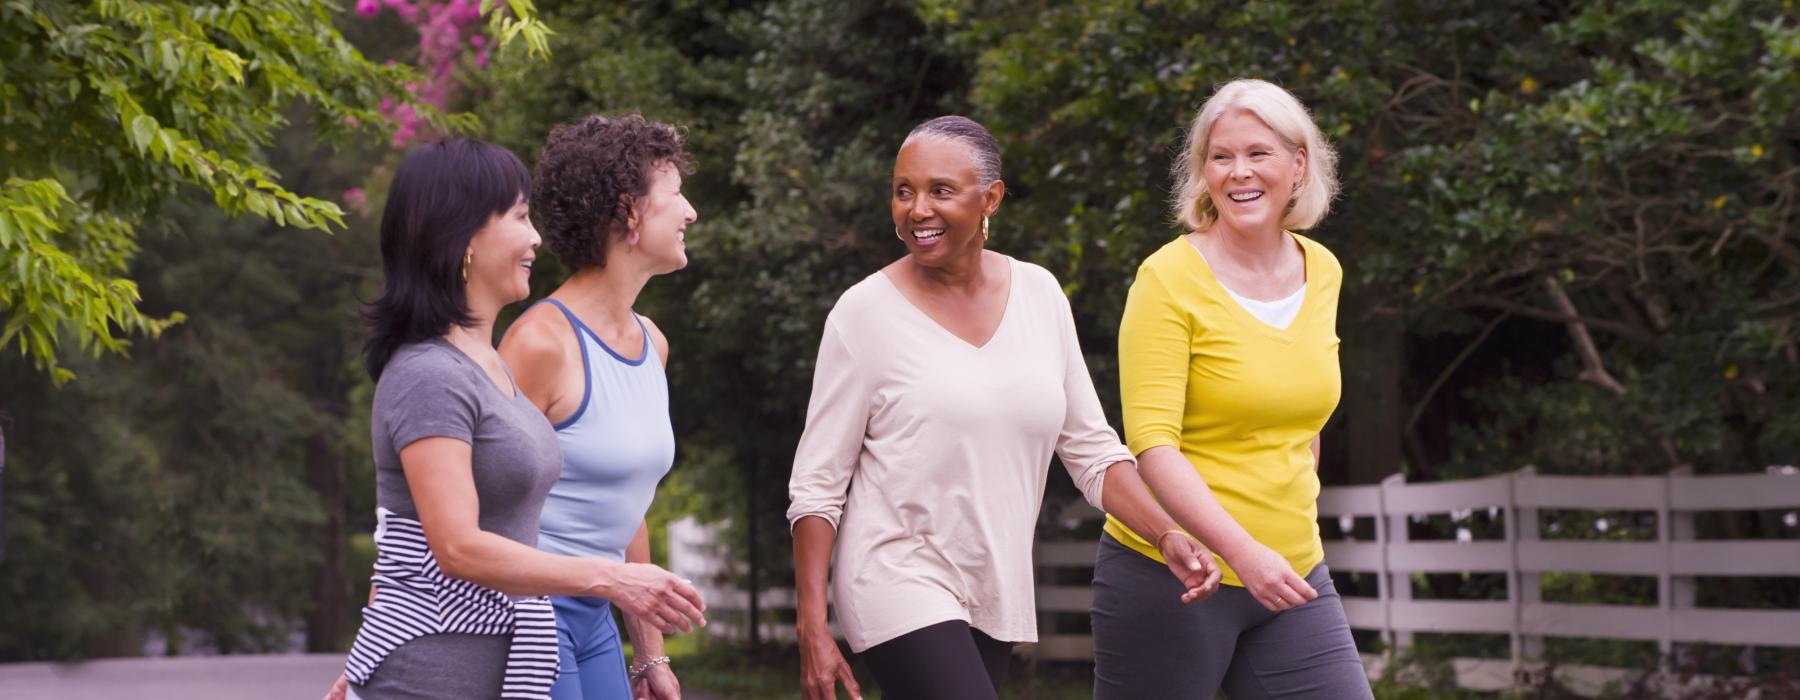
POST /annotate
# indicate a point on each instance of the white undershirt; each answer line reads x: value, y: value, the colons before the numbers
x: 1279, y: 313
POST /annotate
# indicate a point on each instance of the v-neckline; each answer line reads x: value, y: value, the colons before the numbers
x: 1012, y: 287
x: 514, y: 396
x: 1243, y: 314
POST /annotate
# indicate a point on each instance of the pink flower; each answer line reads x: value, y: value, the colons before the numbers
x: 478, y: 41
x: 466, y: 11
x: 356, y: 197
x: 368, y: 8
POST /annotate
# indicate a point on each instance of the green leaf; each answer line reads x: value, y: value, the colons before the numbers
x: 143, y: 128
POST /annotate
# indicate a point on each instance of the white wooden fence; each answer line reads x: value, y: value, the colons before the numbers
x: 1674, y: 558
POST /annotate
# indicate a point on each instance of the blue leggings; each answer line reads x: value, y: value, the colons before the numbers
x: 592, y: 665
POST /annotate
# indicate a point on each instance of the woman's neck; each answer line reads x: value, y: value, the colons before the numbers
x: 1262, y: 249
x: 607, y: 294
x: 963, y: 275
x: 475, y: 340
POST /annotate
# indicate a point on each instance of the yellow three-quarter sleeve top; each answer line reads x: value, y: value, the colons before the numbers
x: 1240, y: 398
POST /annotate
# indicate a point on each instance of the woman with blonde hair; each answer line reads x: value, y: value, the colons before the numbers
x: 1228, y: 363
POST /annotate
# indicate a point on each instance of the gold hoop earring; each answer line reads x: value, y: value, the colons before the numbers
x: 468, y: 259
x: 897, y: 234
x: 984, y: 227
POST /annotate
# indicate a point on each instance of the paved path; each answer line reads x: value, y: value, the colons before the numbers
x: 274, y: 677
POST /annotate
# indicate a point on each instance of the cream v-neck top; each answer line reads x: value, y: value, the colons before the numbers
x: 929, y: 455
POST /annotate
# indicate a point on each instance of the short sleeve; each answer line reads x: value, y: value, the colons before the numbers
x: 837, y: 419
x: 1154, y: 346
x: 427, y: 399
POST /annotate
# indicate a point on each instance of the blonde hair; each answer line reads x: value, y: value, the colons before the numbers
x: 1284, y: 115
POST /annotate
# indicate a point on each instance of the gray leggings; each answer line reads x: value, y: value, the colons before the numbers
x: 1147, y: 644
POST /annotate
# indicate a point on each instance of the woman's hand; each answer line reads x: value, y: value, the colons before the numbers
x: 652, y: 594
x: 822, y: 667
x: 1270, y: 579
x: 339, y: 689
x: 1191, y: 564
x: 658, y: 683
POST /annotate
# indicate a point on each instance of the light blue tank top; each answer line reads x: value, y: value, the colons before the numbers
x: 616, y: 447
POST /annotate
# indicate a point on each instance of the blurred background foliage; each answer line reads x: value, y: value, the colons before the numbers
x: 1568, y: 230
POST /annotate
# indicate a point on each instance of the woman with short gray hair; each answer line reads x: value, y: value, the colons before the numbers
x: 944, y: 384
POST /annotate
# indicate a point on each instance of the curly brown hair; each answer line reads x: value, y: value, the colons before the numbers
x: 589, y: 173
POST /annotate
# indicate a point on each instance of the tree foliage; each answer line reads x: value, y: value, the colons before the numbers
x: 1499, y: 159
x: 1568, y: 232
x: 197, y: 493
x: 109, y: 107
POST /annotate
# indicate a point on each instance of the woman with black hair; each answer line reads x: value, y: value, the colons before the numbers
x: 463, y: 460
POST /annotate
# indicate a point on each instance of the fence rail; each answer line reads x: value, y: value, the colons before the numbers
x: 1515, y: 501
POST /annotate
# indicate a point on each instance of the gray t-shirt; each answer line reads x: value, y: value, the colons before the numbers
x: 431, y: 389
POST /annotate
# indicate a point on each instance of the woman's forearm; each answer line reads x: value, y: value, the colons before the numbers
x: 646, y: 640
x: 495, y: 562
x: 813, y: 539
x: 1125, y: 496
x: 1186, y: 497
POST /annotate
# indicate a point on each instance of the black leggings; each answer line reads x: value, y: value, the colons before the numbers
x: 948, y: 660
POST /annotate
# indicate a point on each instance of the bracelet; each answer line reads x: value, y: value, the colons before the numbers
x: 642, y: 667
x: 1166, y: 533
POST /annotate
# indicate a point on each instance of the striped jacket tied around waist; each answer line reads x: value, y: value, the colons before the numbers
x: 413, y: 598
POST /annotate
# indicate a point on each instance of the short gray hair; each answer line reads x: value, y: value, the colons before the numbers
x: 982, y: 146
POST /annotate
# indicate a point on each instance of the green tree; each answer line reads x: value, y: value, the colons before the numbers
x: 200, y: 488
x: 109, y: 107
x: 794, y: 109
x: 1593, y: 205
x: 195, y: 491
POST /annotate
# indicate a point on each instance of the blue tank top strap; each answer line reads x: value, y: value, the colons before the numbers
x: 582, y: 329
x: 587, y: 390
x: 615, y: 450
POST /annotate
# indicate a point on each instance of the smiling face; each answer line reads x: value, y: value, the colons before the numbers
x: 500, y: 256
x: 938, y: 202
x: 660, y: 220
x: 1250, y: 172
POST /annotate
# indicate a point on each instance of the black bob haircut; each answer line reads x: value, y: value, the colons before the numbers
x: 442, y: 195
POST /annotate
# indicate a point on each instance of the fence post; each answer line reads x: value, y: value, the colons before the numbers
x: 1673, y: 592
x: 1398, y: 584
x: 1383, y: 596
x: 1527, y: 585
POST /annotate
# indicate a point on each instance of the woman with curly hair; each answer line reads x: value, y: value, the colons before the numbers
x: 608, y: 201
x: 463, y: 460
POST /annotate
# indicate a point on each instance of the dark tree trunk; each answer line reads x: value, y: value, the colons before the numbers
x: 1374, y: 408
x: 2, y: 487
x: 328, y: 620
